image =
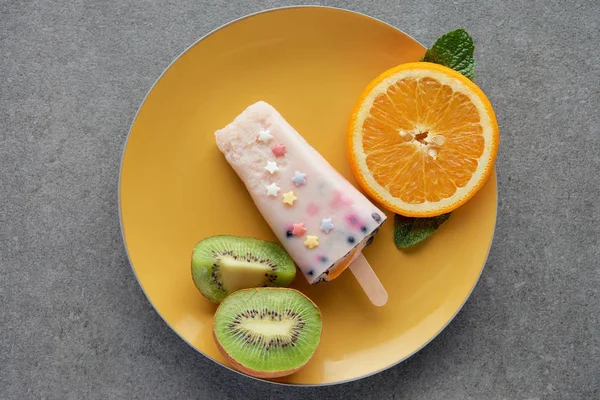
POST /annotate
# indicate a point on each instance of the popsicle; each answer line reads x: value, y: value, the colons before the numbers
x: 319, y: 217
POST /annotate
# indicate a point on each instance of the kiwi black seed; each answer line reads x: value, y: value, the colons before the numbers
x: 267, y: 332
x: 224, y: 264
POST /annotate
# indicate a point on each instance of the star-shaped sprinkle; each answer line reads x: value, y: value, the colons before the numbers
x: 272, y: 190
x: 272, y: 167
x: 278, y: 150
x: 265, y: 135
x: 298, y: 229
x: 311, y: 241
x: 299, y: 178
x: 289, y: 198
x: 326, y: 225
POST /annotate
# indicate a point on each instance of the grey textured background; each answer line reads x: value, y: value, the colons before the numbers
x: 75, y: 325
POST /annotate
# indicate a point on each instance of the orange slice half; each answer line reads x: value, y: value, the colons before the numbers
x: 422, y: 139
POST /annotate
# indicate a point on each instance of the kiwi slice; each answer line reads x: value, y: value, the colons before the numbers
x: 224, y: 264
x: 267, y: 332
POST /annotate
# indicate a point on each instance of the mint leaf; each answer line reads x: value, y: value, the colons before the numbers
x: 454, y: 50
x: 409, y: 231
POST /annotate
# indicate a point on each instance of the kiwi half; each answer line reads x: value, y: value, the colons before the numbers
x: 223, y: 264
x: 267, y: 332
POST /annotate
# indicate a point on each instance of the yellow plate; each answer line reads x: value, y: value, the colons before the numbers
x: 176, y: 188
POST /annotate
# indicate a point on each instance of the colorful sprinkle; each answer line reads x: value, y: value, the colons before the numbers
x: 376, y: 217
x: 272, y: 190
x: 326, y: 225
x: 351, y: 239
x: 278, y: 150
x: 289, y: 198
x: 298, y: 229
x: 311, y: 272
x: 289, y: 234
x: 363, y: 229
x: 272, y: 167
x: 299, y: 178
x: 311, y: 241
x: 265, y: 135
x: 323, y: 259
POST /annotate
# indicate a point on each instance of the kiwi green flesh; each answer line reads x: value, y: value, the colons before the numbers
x: 268, y: 329
x: 224, y: 264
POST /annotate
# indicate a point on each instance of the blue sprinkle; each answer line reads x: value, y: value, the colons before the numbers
x: 351, y: 239
x: 299, y: 178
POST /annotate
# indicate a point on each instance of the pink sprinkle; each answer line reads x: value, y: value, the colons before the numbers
x: 278, y: 150
x: 298, y: 229
x: 312, y: 209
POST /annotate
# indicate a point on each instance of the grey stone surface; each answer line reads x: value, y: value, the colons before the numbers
x: 75, y: 325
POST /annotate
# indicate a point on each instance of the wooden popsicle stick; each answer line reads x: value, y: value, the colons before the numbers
x: 365, y: 275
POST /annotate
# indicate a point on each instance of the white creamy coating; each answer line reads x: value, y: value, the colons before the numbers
x: 251, y: 144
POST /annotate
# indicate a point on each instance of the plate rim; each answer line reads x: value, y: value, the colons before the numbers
x: 121, y: 225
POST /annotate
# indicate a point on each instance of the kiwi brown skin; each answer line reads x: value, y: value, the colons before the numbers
x: 252, y: 372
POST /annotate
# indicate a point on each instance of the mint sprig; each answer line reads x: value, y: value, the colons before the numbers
x: 409, y: 231
x: 454, y: 50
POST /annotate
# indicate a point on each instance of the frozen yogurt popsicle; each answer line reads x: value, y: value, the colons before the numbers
x: 321, y: 219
